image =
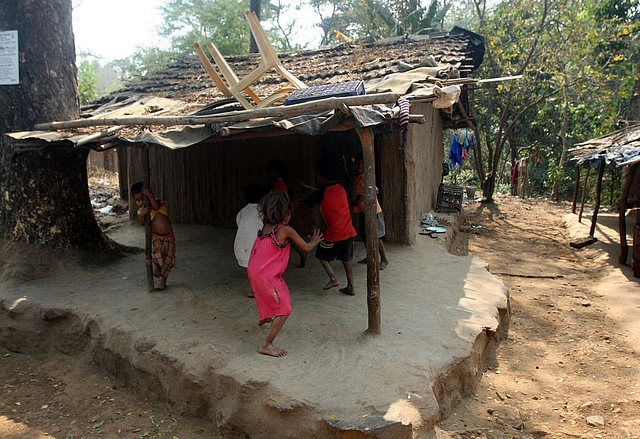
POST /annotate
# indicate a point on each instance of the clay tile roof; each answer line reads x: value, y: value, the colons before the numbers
x: 186, y: 79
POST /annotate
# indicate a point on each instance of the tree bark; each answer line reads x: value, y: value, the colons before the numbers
x: 45, y: 189
x: 373, y: 269
x: 555, y: 193
x: 254, y: 6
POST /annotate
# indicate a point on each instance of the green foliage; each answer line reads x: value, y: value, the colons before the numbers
x: 581, y: 55
x: 361, y: 19
x: 221, y: 21
x: 87, y: 81
x: 144, y: 62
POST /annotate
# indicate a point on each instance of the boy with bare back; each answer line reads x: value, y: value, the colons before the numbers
x: 163, y: 241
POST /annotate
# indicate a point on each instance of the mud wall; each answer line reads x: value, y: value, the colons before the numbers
x: 203, y: 183
x: 410, y: 176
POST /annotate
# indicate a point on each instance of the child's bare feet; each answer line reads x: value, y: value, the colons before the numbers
x: 269, y: 349
x: 303, y: 260
x: 162, y: 285
x: 347, y: 290
x: 250, y: 294
x: 332, y: 283
x: 383, y: 264
x: 267, y: 320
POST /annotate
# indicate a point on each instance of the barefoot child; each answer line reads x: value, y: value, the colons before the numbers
x: 163, y: 241
x: 340, y: 233
x: 358, y: 209
x: 268, y: 261
x: 278, y: 175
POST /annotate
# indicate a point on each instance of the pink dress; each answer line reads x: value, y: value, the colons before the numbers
x: 267, y: 263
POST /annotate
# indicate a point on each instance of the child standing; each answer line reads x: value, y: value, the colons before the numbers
x: 278, y: 175
x: 268, y: 261
x: 340, y: 233
x: 358, y: 209
x: 249, y: 222
x: 163, y: 241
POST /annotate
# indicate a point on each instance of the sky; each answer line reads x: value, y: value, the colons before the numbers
x: 112, y: 29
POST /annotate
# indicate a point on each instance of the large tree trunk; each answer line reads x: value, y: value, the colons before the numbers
x: 45, y: 191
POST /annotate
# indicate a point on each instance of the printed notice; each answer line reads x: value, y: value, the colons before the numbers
x: 9, y: 73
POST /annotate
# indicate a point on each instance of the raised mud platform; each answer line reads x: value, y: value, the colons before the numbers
x: 195, y: 344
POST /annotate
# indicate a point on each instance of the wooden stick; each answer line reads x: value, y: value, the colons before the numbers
x: 584, y: 194
x: 233, y: 116
x: 147, y: 224
x: 371, y: 227
x: 95, y: 136
x: 576, y: 188
x: 596, y: 209
x: 308, y: 186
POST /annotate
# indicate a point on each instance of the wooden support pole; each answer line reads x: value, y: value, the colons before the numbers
x: 627, y: 180
x: 584, y: 193
x: 594, y: 218
x: 371, y: 226
x: 147, y: 222
x: 576, y: 189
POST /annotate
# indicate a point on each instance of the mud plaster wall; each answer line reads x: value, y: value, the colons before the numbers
x: 410, y: 178
x: 203, y: 183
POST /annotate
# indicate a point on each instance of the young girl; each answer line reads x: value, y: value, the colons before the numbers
x: 269, y: 258
x: 278, y: 174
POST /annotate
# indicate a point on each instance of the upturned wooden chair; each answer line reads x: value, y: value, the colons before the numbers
x: 237, y: 88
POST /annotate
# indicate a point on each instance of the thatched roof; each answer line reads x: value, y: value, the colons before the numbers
x: 458, y: 52
x: 619, y: 148
x: 411, y: 66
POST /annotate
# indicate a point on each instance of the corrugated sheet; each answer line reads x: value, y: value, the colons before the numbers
x: 619, y: 148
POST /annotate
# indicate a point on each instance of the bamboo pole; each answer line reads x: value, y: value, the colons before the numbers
x: 594, y: 218
x: 622, y: 211
x: 233, y: 116
x: 576, y: 189
x: 584, y: 193
x: 373, y: 270
x: 96, y: 136
x: 147, y: 223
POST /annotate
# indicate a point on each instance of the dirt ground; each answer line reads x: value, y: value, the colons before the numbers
x: 566, y: 370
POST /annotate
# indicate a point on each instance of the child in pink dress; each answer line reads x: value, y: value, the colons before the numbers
x: 268, y: 261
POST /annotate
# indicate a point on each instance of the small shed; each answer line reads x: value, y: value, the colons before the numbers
x: 619, y: 149
x: 199, y: 149
x: 201, y: 167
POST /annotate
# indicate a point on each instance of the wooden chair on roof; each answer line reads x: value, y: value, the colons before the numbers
x: 234, y: 87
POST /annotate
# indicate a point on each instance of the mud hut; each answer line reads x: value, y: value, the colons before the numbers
x: 200, y: 167
x: 199, y: 149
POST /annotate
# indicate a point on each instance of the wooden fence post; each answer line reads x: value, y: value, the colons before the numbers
x: 371, y: 227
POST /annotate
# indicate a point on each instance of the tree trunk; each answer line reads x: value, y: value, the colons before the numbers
x: 45, y: 188
x: 559, y: 175
x: 254, y: 6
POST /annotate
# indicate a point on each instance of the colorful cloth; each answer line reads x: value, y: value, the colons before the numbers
x: 249, y: 222
x: 163, y: 252
x: 161, y: 209
x: 280, y: 185
x: 267, y: 263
